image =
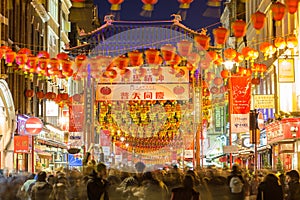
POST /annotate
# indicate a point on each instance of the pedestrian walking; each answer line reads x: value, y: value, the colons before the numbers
x: 236, y: 183
x: 293, y: 191
x: 41, y: 190
x: 270, y: 188
x: 187, y: 191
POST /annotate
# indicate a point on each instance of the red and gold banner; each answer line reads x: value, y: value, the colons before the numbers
x: 76, y: 117
x: 240, y: 94
x: 21, y: 144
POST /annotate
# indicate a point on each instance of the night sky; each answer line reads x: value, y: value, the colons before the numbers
x: 130, y: 10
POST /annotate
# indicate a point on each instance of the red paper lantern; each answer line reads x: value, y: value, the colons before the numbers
x: 29, y: 93
x: 168, y: 52
x: 291, y: 41
x: 278, y: 10
x: 31, y: 63
x: 230, y: 53
x: 40, y: 95
x: 202, y: 41
x: 224, y: 73
x: 115, y: 4
x: 53, y: 66
x: 184, y: 6
x: 220, y: 35
x: 148, y: 7
x: 152, y: 56
x: 3, y: 50
x: 292, y: 6
x: 258, y: 20
x: 279, y: 43
x: 10, y: 57
x: 184, y: 47
x: 135, y: 58
x: 239, y: 28
x: 121, y: 62
x: 62, y: 56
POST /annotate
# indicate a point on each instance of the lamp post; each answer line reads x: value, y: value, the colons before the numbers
x: 228, y: 66
x: 294, y: 130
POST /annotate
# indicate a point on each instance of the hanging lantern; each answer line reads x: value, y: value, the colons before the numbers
x: 121, y: 62
x: 292, y: 6
x: 79, y: 60
x: 255, y: 81
x: 239, y: 28
x: 21, y: 57
x: 230, y: 53
x: 31, y: 64
x: 204, y: 64
x: 43, y: 59
x: 184, y: 6
x: 258, y: 20
x: 3, y: 50
x: 220, y: 35
x: 193, y: 60
x: 53, y: 67
x: 280, y: 43
x: 224, y: 73
x: 10, y: 57
x: 267, y: 49
x: 40, y: 95
x: 62, y: 56
x: 115, y: 7
x: 291, y: 42
x: 152, y: 56
x: 202, y: 40
x: 66, y: 67
x: 148, y: 7
x: 238, y: 58
x: 29, y: 94
x: 278, y: 10
x: 135, y: 58
x: 168, y: 52
x: 184, y: 47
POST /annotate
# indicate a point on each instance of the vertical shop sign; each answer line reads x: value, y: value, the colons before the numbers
x: 76, y: 117
x: 21, y: 144
x: 219, y: 117
x: 286, y: 72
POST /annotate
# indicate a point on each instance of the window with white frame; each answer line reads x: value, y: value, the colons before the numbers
x: 53, y: 9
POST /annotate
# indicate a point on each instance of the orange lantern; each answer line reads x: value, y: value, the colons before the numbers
x: 148, y: 7
x: 31, y: 64
x: 202, y: 40
x: 238, y: 58
x: 152, y: 56
x: 239, y: 28
x: 230, y: 53
x: 121, y: 62
x: 278, y: 10
x: 267, y: 49
x: 43, y: 59
x: 79, y: 61
x: 279, y: 43
x: 184, y: 47
x: 53, y: 67
x: 292, y: 6
x: 40, y: 95
x: 115, y: 4
x: 29, y: 94
x: 62, y: 56
x: 224, y: 73
x: 291, y: 42
x: 135, y: 58
x: 168, y: 52
x: 258, y: 20
x: 220, y: 35
x: 10, y: 57
x: 3, y: 50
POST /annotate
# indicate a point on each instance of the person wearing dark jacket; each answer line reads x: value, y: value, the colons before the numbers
x: 41, y: 190
x: 293, y: 192
x: 187, y: 191
x: 236, y: 172
x: 270, y: 188
x: 97, y: 185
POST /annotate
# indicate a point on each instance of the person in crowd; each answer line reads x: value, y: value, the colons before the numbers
x: 97, y: 185
x: 270, y: 188
x: 60, y: 188
x: 114, y: 181
x: 41, y: 190
x: 236, y: 183
x: 25, y: 190
x: 187, y: 191
x: 293, y: 192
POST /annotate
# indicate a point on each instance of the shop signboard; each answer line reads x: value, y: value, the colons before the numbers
x: 264, y: 101
x: 142, y: 92
x: 76, y: 117
x: 74, y: 160
x: 21, y: 144
x: 230, y: 149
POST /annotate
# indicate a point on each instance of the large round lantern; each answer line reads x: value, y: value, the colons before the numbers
x: 280, y: 43
x: 53, y: 67
x: 152, y: 56
x: 121, y: 62
x: 278, y: 10
x: 184, y: 47
x: 148, y: 7
x: 3, y: 50
x: 168, y: 52
x: 135, y: 58
x: 220, y: 35
x: 202, y: 41
x: 230, y: 53
x: 239, y: 28
x: 10, y: 57
x: 31, y: 64
x: 115, y: 4
x: 29, y: 93
x: 291, y: 42
x: 292, y: 6
x: 258, y: 20
x: 40, y: 95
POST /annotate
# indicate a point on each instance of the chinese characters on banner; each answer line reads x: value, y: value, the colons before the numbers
x: 21, y: 144
x: 240, y: 97
x: 76, y: 117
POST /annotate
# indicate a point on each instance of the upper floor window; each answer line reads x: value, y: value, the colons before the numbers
x: 53, y: 9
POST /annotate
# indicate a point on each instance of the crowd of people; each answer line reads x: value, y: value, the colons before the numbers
x: 97, y: 182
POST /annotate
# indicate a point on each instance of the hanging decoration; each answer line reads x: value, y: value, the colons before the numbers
x: 202, y: 40
x: 291, y: 41
x: 258, y: 20
x: 279, y: 43
x: 292, y: 5
x: 213, y: 9
x: 278, y: 10
x: 239, y: 28
x: 183, y: 7
x: 29, y: 94
x: 267, y: 49
x: 220, y: 35
x: 148, y: 7
x: 115, y: 8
